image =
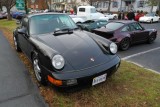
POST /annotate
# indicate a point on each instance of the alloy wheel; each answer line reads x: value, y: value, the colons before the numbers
x: 37, y: 69
x: 15, y: 42
x: 125, y: 44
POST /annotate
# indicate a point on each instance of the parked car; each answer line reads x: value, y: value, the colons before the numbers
x: 111, y: 16
x: 62, y: 54
x: 3, y: 15
x: 18, y: 15
x: 138, y: 16
x: 90, y: 13
x: 150, y: 18
x: 92, y: 24
x: 77, y: 19
x: 126, y: 33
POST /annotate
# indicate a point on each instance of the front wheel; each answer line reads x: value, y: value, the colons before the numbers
x: 16, y: 44
x: 115, y: 17
x: 151, y: 38
x: 37, y: 70
x: 124, y: 44
x: 151, y: 21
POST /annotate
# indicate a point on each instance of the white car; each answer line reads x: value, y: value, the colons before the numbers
x: 77, y: 19
x: 111, y: 16
x: 90, y: 13
x: 150, y: 18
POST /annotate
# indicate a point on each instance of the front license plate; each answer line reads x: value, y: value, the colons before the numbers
x: 99, y: 79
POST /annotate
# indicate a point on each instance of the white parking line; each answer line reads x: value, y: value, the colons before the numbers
x: 130, y: 56
x: 144, y: 67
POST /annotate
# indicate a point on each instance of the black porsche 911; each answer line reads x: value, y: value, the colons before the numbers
x: 62, y: 54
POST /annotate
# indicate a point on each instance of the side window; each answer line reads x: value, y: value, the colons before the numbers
x: 135, y: 26
x: 81, y: 9
x: 125, y: 29
x: 132, y: 28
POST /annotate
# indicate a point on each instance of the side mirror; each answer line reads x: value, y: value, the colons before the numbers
x: 22, y: 31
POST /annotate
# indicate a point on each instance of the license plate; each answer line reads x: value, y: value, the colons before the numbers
x: 99, y: 79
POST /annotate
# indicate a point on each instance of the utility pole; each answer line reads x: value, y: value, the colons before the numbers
x: 25, y: 6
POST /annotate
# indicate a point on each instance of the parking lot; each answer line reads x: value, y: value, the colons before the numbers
x: 145, y: 55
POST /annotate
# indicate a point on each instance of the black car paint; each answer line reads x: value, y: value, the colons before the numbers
x: 77, y: 57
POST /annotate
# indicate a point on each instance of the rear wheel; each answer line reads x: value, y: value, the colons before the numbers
x: 124, y: 44
x: 37, y: 70
x: 151, y: 21
x: 16, y: 44
x: 151, y: 39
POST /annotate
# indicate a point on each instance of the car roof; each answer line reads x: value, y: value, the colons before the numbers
x: 124, y: 21
x: 48, y: 13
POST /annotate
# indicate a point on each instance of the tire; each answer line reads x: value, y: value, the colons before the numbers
x: 124, y: 44
x: 37, y: 70
x: 151, y: 39
x: 151, y: 21
x: 115, y: 17
x: 16, y: 44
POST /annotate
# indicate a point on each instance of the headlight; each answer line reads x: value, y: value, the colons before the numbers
x: 113, y: 48
x: 58, y: 62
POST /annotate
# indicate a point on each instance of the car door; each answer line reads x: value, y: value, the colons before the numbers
x: 138, y: 33
x: 23, y: 38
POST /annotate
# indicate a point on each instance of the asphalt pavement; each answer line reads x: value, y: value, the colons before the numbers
x: 16, y: 86
x: 145, y: 55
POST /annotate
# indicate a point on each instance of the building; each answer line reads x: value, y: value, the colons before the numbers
x: 38, y: 4
x: 125, y: 5
x: 60, y: 5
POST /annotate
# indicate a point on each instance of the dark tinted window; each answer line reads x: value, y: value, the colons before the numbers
x: 135, y: 26
x: 81, y: 9
x: 114, y: 25
x: 125, y: 29
x: 150, y: 14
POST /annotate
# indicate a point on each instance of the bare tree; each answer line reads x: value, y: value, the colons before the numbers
x: 88, y: 1
x: 109, y: 4
x: 48, y: 7
x: 0, y: 6
x: 152, y: 3
x: 8, y: 4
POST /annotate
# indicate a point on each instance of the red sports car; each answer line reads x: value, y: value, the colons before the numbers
x: 125, y: 33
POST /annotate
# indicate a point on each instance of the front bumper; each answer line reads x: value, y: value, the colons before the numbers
x: 84, y: 76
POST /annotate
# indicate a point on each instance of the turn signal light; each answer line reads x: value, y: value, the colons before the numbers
x: 54, y: 81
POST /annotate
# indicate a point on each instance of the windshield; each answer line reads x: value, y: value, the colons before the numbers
x: 114, y: 25
x: 48, y: 23
x: 150, y: 14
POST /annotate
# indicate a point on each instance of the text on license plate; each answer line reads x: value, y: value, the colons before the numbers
x: 99, y: 79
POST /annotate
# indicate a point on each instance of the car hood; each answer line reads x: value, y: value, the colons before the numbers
x: 78, y: 49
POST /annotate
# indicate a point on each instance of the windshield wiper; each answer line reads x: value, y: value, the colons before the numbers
x: 63, y: 31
